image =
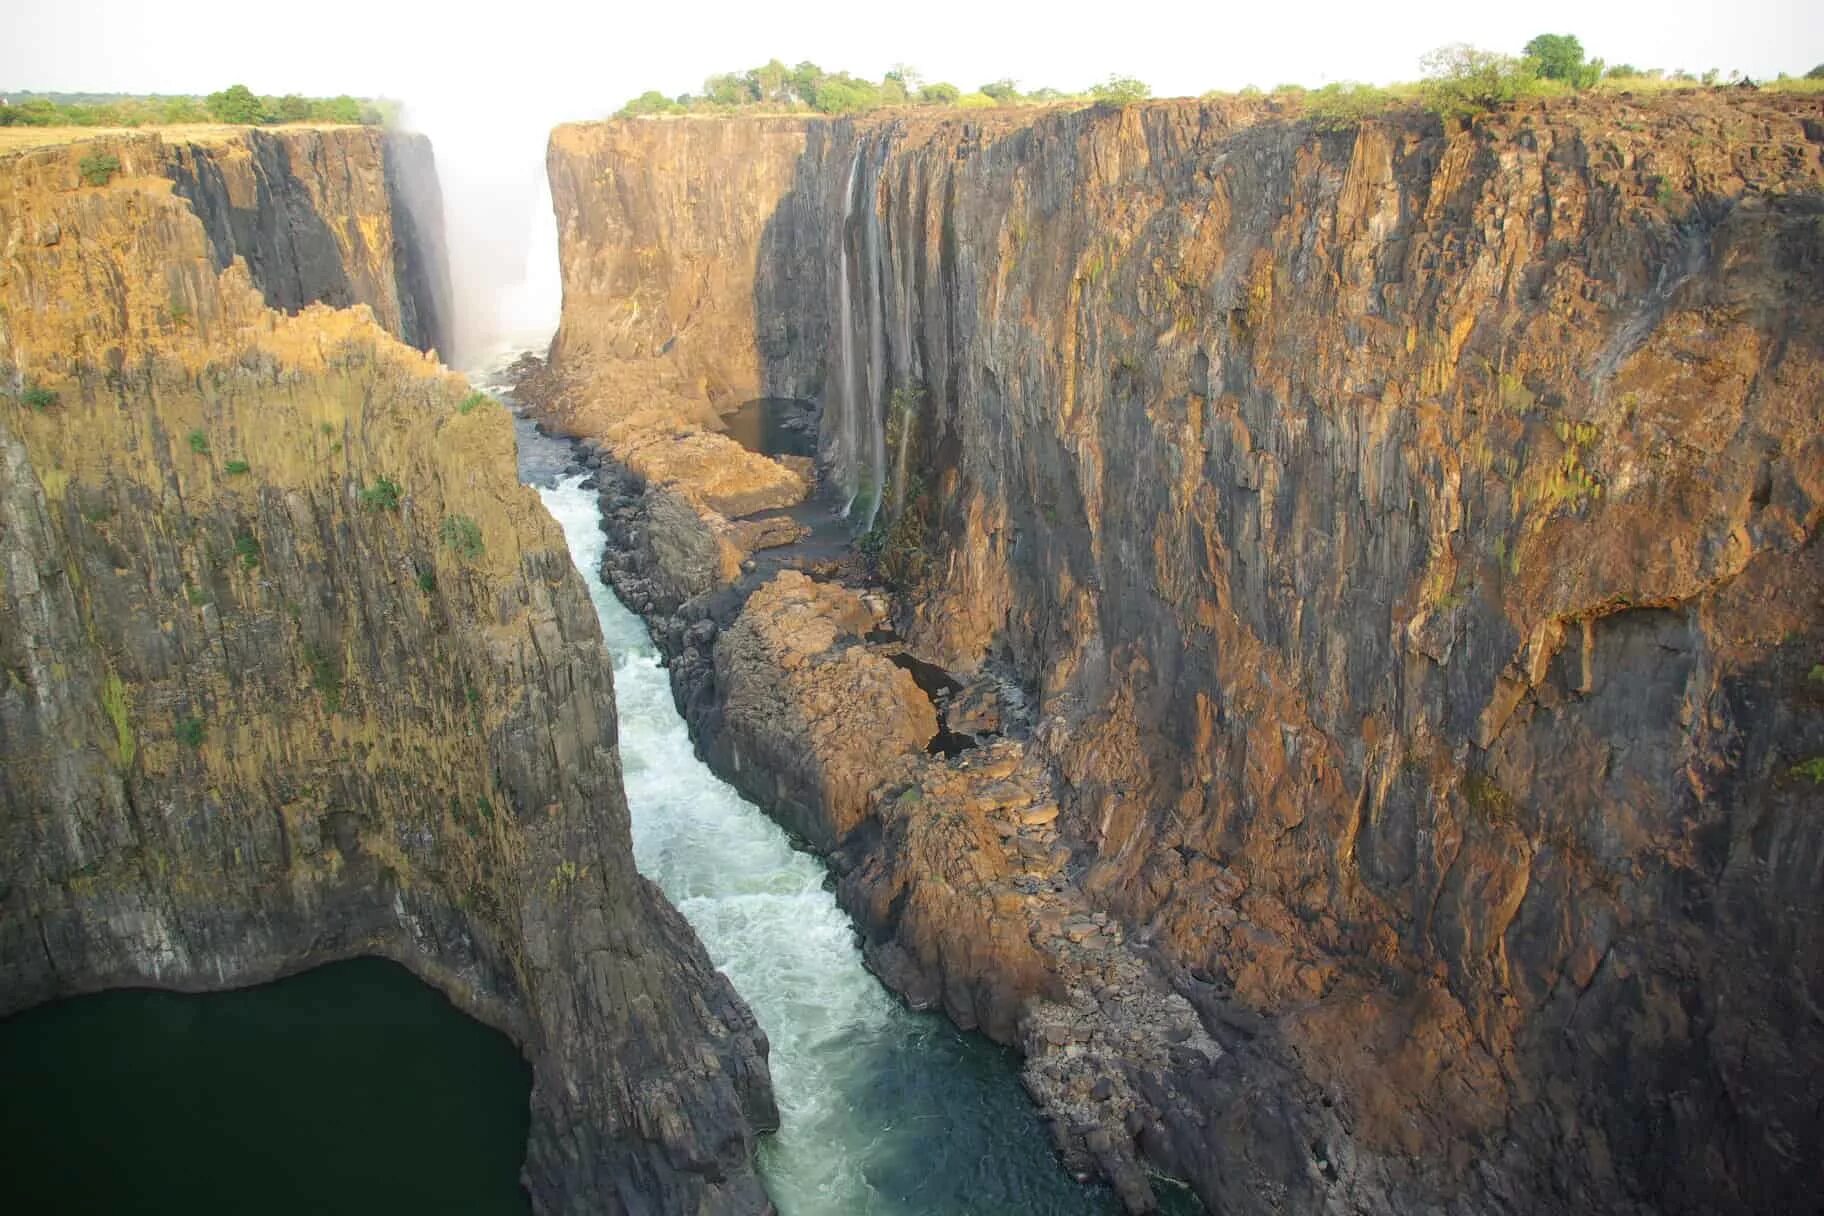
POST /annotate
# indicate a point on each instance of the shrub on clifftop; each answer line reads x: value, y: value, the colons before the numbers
x: 1120, y: 90
x: 1462, y: 81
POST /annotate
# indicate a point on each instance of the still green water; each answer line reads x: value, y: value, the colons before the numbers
x: 350, y: 1089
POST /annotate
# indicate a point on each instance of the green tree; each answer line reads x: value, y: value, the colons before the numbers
x: 1001, y: 90
x: 1119, y: 90
x: 291, y: 108
x: 805, y: 80
x: 650, y: 102
x: 770, y: 82
x: 842, y: 94
x: 236, y: 104
x: 1560, y: 57
x: 939, y: 94
x: 1461, y: 81
x: 728, y: 89
x: 1816, y: 73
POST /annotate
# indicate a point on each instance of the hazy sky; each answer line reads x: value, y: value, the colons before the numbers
x: 486, y: 81
x: 583, y: 58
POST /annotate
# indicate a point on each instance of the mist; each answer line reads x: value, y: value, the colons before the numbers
x: 499, y: 231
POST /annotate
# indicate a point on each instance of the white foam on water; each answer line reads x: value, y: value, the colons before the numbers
x: 758, y: 904
x: 884, y: 1112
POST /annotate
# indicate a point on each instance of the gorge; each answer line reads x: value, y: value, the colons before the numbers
x: 1403, y: 542
x: 1306, y: 635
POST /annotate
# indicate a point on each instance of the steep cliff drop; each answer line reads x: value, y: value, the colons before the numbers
x: 294, y: 670
x: 881, y: 1109
x: 1377, y: 569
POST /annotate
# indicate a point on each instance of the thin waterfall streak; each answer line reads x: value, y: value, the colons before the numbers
x: 908, y: 372
x: 847, y: 449
x: 877, y: 352
x: 906, y: 279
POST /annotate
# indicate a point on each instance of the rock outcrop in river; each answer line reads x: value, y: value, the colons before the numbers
x: 1396, y: 553
x: 292, y: 668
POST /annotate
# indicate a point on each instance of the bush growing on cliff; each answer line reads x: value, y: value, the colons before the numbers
x: 325, y: 675
x: 462, y: 536
x: 191, y: 732
x: 247, y: 548
x: 1462, y: 81
x: 1120, y: 90
x: 98, y: 170
x: 383, y: 495
x: 1344, y: 105
x: 38, y: 397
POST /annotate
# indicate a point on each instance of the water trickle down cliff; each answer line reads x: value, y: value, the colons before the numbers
x: 1410, y: 538
x: 854, y: 434
x: 293, y: 669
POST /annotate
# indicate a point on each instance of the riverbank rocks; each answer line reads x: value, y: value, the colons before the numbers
x: 811, y: 719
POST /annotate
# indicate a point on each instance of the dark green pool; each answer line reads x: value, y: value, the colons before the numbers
x: 353, y: 1088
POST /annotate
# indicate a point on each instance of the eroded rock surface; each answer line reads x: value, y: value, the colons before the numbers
x: 1408, y: 537
x: 292, y: 669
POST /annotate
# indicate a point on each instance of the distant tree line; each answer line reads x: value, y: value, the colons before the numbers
x: 774, y: 88
x: 1458, y: 81
x: 235, y: 104
x: 1461, y: 81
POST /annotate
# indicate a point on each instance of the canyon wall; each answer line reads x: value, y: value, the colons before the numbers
x: 1407, y: 539
x: 294, y: 669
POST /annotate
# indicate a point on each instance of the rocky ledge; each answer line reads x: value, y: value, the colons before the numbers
x: 938, y: 818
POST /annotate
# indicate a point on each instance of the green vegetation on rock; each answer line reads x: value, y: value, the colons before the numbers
x: 1120, y: 90
x: 38, y: 398
x: 325, y: 675
x: 462, y: 536
x: 191, y: 732
x: 247, y: 548
x: 383, y: 495
x: 114, y: 703
x: 98, y: 170
x: 235, y: 468
x: 474, y: 401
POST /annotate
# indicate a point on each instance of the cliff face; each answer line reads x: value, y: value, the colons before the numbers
x: 1408, y: 541
x: 322, y: 216
x: 295, y: 670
